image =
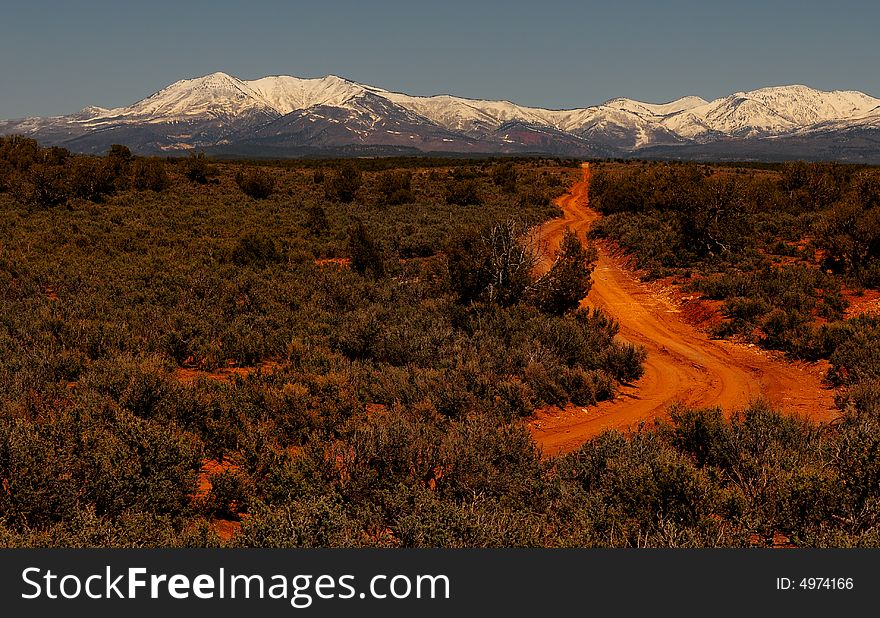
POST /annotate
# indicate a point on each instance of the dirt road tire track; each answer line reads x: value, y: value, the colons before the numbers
x: 683, y: 364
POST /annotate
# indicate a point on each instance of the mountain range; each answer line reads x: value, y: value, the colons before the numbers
x: 282, y: 116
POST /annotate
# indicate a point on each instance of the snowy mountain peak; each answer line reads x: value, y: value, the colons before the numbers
x: 655, y: 109
x: 219, y: 109
x: 217, y: 94
x: 285, y: 93
x: 793, y: 100
x: 91, y: 111
x: 771, y: 111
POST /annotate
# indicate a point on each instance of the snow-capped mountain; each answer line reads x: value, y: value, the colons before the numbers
x: 771, y: 111
x: 284, y: 115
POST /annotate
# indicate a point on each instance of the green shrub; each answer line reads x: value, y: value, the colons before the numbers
x: 464, y: 193
x: 45, y: 185
x: 343, y: 184
x: 150, y: 175
x: 504, y: 176
x: 252, y: 249
x: 365, y: 253
x: 231, y: 494
x: 396, y: 187
x: 134, y: 464
x: 93, y: 178
x: 256, y: 183
x: 568, y: 280
x: 197, y: 169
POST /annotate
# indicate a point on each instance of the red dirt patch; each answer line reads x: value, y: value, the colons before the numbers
x: 224, y: 528
x: 376, y: 410
x: 339, y: 262
x: 777, y: 541
x: 867, y: 302
x: 188, y: 375
x: 701, y: 312
x: 209, y: 468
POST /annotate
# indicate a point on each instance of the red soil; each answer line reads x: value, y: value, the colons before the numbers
x: 187, y: 375
x: 683, y: 364
x: 333, y: 262
x: 867, y: 302
x: 224, y: 528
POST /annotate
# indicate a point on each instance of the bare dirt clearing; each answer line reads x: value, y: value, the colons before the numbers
x: 683, y: 364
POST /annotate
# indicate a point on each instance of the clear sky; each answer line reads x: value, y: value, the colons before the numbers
x: 58, y: 57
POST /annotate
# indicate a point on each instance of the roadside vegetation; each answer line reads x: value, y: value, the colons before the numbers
x: 779, y: 248
x: 343, y: 353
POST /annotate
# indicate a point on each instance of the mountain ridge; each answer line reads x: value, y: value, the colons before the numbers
x: 221, y: 113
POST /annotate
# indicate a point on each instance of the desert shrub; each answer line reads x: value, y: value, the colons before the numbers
x: 149, y: 175
x: 310, y: 522
x: 504, y: 176
x: 134, y: 464
x: 857, y: 357
x: 256, y: 183
x: 777, y: 306
x: 849, y: 234
x: 814, y: 185
x: 85, y: 529
x: 425, y: 520
x: 673, y: 215
x: 645, y: 484
x: 567, y: 282
x: 231, y: 493
x: 857, y: 469
x: 464, y: 192
x: 625, y: 361
x: 866, y: 186
x: 704, y: 434
x: 499, y: 458
x: 119, y: 159
x: 533, y: 198
x: 655, y: 240
x: 586, y: 387
x: 38, y: 486
x: 142, y: 386
x: 8, y: 176
x: 343, y: 184
x: 22, y: 152
x: 365, y: 253
x: 396, y: 187
x: 119, y: 152
x: 316, y: 220
x: 45, y: 185
x: 197, y: 169
x: 514, y: 399
x: 93, y: 178
x: 253, y: 249
x: 492, y: 265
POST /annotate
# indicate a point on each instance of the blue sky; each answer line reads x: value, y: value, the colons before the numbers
x: 57, y: 57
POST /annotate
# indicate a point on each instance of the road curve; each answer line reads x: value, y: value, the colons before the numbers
x: 683, y: 364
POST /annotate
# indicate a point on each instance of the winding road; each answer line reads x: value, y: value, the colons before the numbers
x: 683, y: 364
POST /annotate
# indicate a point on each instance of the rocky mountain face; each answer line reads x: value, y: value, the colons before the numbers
x: 283, y: 116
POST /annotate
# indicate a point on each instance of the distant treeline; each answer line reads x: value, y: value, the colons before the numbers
x: 776, y: 247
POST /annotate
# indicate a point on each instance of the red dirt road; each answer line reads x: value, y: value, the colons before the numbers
x: 683, y: 364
